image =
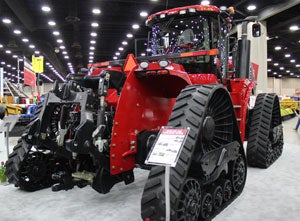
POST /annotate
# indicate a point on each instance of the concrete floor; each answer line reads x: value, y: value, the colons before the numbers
x: 269, y: 195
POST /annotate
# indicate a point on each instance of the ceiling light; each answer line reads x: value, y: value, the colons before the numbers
x: 297, y: 65
x: 292, y: 74
x: 25, y: 39
x: 143, y: 54
x: 205, y: 2
x: 6, y: 20
x: 90, y: 61
x: 51, y: 23
x: 93, y: 34
x: 56, y: 33
x: 277, y: 48
x: 91, y: 57
x: 293, y: 61
x: 37, y: 52
x: 64, y: 52
x: 96, y: 11
x: 143, y: 14
x: 135, y: 26
x: 121, y: 48
x: 8, y: 51
x: 281, y: 68
x: 287, y: 55
x: 91, y: 53
x: 276, y: 64
x: 66, y: 57
x: 46, y: 8
x: 269, y: 59
x: 92, y: 48
x: 115, y: 57
x: 94, y: 24
x: 288, y: 71
x: 129, y: 35
x: 31, y: 46
x: 118, y: 53
x: 93, y: 42
x: 59, y: 41
x: 124, y: 43
x: 251, y: 7
x: 62, y: 47
x: 15, y: 56
x: 17, y: 32
x: 1, y: 46
x: 294, y: 28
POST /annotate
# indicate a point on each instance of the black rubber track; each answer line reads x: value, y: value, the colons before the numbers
x: 18, y: 167
x: 189, y: 111
x: 262, y: 149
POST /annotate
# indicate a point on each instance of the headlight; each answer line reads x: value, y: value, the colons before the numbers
x: 182, y: 12
x: 144, y: 64
x: 163, y: 63
x: 162, y: 15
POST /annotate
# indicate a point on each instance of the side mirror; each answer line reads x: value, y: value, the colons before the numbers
x: 256, y: 30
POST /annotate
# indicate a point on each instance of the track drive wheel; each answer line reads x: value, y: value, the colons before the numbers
x: 208, y: 111
x: 265, y: 140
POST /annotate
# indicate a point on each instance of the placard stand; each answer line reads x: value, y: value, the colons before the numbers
x: 6, y: 125
x: 165, y: 152
x: 167, y: 192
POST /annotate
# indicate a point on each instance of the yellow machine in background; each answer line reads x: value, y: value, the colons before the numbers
x: 289, y: 103
x: 8, y: 108
x: 288, y: 107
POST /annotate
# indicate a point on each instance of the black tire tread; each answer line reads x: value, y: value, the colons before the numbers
x: 265, y: 110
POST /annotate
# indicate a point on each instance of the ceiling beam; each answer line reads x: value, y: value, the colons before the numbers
x: 20, y: 10
x: 275, y: 9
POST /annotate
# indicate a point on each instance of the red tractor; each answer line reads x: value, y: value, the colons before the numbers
x: 98, y: 127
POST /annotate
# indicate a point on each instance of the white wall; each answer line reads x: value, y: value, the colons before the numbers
x: 285, y: 86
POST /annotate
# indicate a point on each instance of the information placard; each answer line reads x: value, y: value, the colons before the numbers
x: 167, y: 147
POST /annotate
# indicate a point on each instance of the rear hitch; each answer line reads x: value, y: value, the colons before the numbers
x: 66, y: 182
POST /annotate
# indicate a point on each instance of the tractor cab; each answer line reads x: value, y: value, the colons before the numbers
x: 193, y: 36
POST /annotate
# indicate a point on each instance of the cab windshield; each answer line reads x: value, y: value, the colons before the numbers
x: 178, y: 35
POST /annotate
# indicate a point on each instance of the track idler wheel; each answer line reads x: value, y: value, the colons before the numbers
x: 238, y: 173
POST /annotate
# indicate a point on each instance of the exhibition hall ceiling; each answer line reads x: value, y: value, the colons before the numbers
x: 72, y: 33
